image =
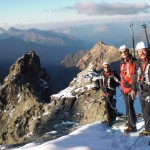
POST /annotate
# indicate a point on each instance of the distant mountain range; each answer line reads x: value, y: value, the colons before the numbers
x: 50, y: 46
x: 112, y: 33
x: 47, y: 38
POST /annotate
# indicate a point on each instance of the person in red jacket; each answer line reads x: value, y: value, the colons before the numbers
x: 127, y: 67
x: 109, y: 80
x: 141, y: 83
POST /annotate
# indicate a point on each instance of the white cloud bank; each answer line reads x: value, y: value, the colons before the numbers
x: 91, y: 8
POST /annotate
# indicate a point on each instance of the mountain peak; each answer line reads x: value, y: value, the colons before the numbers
x: 2, y: 30
x: 99, y: 53
x: 28, y: 70
x: 23, y: 95
x: 14, y: 29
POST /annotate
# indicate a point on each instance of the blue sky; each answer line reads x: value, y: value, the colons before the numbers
x: 28, y: 13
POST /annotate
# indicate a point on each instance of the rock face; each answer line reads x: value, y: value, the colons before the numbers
x: 23, y: 95
x: 99, y: 54
x: 72, y: 59
x: 80, y: 103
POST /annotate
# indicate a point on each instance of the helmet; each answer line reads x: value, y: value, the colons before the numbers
x: 105, y: 63
x: 122, y: 47
x: 140, y: 45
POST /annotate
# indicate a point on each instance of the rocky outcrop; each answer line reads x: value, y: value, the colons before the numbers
x: 80, y: 103
x: 23, y: 97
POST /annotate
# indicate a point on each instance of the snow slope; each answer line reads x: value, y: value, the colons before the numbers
x: 96, y: 136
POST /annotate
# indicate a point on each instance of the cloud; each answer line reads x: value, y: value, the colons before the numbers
x: 91, y: 9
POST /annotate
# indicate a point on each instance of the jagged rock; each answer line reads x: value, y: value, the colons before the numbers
x: 99, y: 54
x: 79, y: 103
x: 23, y: 97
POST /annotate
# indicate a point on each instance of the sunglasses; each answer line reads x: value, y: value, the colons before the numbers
x: 123, y: 52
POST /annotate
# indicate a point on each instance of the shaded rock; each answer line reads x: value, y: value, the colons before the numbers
x: 71, y: 60
x: 24, y: 95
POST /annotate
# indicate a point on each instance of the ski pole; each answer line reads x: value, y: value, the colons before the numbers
x: 144, y: 26
x: 131, y: 26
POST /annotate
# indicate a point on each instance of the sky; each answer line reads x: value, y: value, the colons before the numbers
x: 46, y: 13
x: 96, y: 136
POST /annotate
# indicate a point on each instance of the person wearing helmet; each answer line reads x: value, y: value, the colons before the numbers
x: 109, y: 80
x: 141, y: 83
x: 127, y: 67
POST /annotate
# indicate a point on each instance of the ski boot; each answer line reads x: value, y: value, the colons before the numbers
x: 144, y: 133
x: 130, y: 130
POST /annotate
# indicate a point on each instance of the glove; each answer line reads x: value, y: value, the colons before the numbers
x: 103, y: 98
x: 133, y: 95
x: 126, y: 85
x: 147, y: 99
x: 106, y: 94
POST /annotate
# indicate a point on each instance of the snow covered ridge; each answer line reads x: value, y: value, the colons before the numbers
x: 85, y: 80
x: 95, y: 136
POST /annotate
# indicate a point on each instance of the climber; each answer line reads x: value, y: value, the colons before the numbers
x: 141, y: 83
x: 127, y: 67
x: 109, y: 80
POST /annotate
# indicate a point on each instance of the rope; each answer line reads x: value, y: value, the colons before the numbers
x: 146, y: 122
x: 109, y: 100
x: 134, y: 143
x: 120, y: 96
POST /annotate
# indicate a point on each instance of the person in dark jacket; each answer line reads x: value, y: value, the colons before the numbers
x: 109, y: 80
x: 127, y: 67
x: 141, y: 83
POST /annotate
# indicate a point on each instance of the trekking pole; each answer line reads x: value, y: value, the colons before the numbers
x: 144, y: 26
x: 131, y: 27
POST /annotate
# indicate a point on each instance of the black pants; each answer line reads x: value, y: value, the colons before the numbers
x: 145, y: 106
x: 110, y: 107
x: 130, y: 112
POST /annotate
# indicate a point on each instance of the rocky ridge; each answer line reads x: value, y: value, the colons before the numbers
x: 23, y: 97
x: 99, y: 54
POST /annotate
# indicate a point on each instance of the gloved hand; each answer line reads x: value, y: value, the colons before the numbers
x: 147, y: 99
x: 103, y: 98
x: 126, y: 85
x: 106, y: 94
x: 133, y: 95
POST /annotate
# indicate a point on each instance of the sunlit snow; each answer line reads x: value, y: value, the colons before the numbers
x: 96, y: 136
